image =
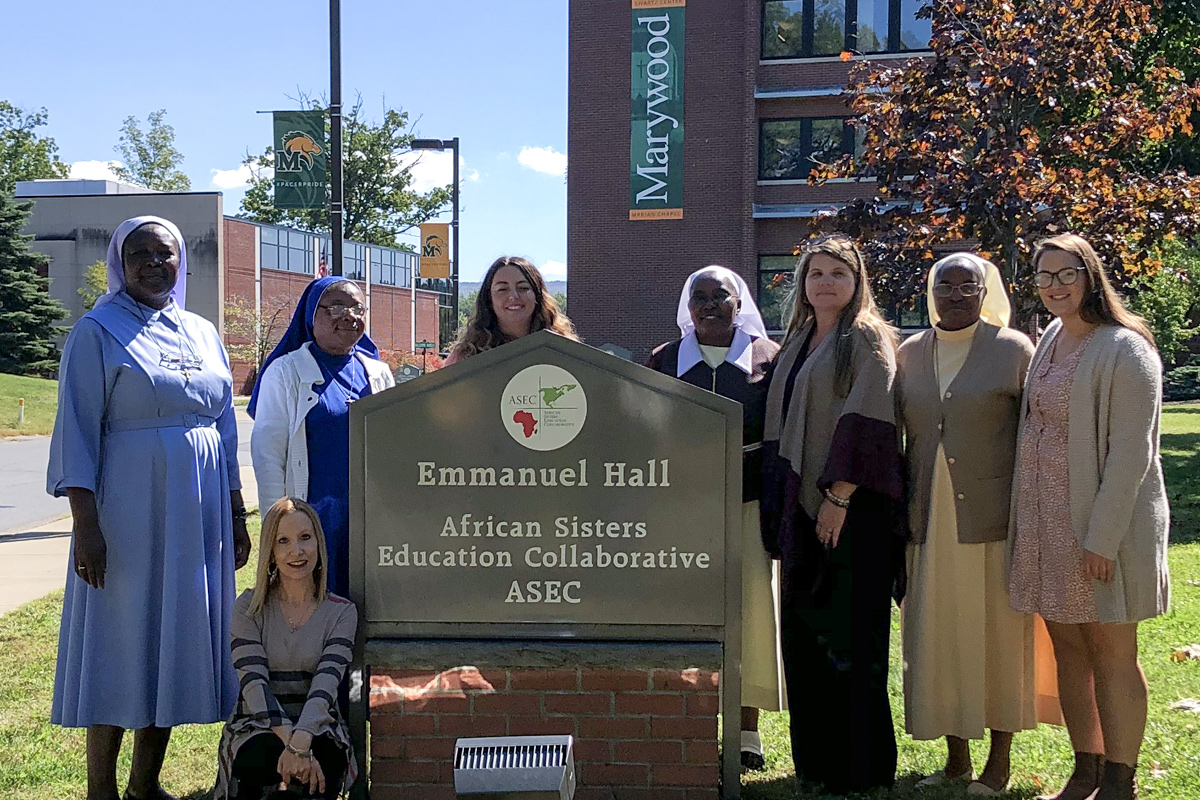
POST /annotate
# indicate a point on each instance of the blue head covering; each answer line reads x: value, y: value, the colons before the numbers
x: 116, y: 264
x: 300, y: 331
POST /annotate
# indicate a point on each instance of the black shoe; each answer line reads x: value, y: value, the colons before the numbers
x: 753, y: 762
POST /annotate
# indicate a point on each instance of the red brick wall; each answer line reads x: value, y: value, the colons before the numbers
x: 625, y: 277
x: 639, y: 734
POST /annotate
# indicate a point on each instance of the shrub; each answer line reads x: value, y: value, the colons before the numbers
x: 1182, y: 383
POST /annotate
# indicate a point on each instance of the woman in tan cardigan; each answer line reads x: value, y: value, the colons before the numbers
x: 968, y: 657
x: 1089, y: 520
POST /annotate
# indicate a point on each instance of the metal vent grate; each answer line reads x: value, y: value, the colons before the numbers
x: 528, y: 756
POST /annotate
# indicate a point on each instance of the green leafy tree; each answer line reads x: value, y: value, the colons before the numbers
x: 24, y: 155
x: 1175, y: 40
x: 379, y: 201
x: 150, y: 158
x: 561, y: 299
x: 95, y: 284
x: 1169, y: 300
x: 1007, y: 134
x: 252, y: 333
x: 466, y: 307
x: 27, y: 311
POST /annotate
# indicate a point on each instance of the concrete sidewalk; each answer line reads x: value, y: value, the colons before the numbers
x: 34, y: 562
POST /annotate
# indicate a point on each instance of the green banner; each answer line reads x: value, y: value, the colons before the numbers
x: 300, y: 159
x: 656, y: 129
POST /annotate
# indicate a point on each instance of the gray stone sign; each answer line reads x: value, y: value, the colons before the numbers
x: 545, y: 483
x: 548, y: 493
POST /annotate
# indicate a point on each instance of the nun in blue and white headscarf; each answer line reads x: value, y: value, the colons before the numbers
x: 145, y: 447
x: 301, y: 409
x: 723, y: 348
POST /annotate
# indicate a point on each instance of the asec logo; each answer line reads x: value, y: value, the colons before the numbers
x: 543, y: 407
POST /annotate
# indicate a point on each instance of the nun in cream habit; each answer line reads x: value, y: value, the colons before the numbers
x: 968, y: 657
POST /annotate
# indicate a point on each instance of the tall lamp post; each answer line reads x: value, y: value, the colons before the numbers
x: 452, y: 145
x: 336, y: 230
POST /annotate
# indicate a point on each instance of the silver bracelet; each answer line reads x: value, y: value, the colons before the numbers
x: 296, y: 751
x: 840, y: 502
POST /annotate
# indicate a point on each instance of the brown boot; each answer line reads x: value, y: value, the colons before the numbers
x: 1083, y: 781
x: 1119, y: 782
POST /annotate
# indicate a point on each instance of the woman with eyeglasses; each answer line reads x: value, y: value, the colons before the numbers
x: 968, y: 657
x: 301, y: 410
x: 1089, y: 521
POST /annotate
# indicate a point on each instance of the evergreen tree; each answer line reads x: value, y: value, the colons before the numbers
x: 27, y: 311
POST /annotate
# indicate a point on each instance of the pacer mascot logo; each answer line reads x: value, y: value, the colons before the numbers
x: 543, y: 407
x: 297, y: 147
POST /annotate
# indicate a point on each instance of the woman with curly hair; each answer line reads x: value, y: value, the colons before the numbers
x: 512, y: 302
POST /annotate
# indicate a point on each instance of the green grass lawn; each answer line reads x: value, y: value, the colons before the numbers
x: 40, y: 761
x: 41, y: 403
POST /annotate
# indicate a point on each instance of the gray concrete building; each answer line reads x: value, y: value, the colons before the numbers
x: 73, y: 221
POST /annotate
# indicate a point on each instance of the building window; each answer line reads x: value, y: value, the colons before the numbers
x: 774, y: 289
x: 815, y: 28
x: 285, y: 249
x: 354, y: 261
x: 789, y: 149
x: 390, y: 267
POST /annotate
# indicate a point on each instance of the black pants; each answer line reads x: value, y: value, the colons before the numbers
x: 835, y: 660
x: 254, y: 766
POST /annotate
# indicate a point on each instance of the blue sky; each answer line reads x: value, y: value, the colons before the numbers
x: 493, y: 74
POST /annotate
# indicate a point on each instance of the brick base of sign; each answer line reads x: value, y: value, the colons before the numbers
x: 647, y: 734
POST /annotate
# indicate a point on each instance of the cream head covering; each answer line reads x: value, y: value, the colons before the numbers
x: 748, y: 318
x: 996, y: 309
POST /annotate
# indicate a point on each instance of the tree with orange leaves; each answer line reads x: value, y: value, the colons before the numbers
x: 1031, y: 117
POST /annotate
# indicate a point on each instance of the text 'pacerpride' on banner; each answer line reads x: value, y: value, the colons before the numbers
x: 656, y: 122
x: 300, y: 159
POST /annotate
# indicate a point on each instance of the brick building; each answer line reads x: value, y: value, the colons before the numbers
x: 763, y: 97
x: 231, y: 262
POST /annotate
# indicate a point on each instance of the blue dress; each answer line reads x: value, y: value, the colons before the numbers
x: 327, y: 434
x: 145, y: 420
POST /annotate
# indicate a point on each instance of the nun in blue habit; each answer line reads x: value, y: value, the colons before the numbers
x: 145, y: 448
x: 301, y: 410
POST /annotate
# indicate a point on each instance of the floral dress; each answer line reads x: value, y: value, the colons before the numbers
x: 1048, y: 575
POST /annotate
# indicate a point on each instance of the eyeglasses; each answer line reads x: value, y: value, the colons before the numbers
x: 1065, y: 277
x: 965, y: 289
x: 337, y: 310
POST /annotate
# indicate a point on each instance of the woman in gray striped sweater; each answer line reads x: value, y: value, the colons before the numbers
x: 291, y: 643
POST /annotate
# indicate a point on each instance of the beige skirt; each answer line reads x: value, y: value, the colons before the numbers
x: 762, y: 670
x: 968, y: 657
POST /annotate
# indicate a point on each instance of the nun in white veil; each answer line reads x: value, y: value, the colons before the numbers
x: 968, y: 657
x: 723, y: 348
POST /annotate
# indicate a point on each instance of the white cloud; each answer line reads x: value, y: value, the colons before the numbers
x: 435, y: 168
x: 93, y: 171
x: 554, y: 271
x: 543, y: 159
x: 232, y: 178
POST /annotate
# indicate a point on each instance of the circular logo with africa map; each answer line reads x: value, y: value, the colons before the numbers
x: 543, y: 407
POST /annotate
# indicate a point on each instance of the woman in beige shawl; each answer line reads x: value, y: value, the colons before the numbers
x: 1089, y: 520
x: 831, y: 513
x: 968, y: 657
